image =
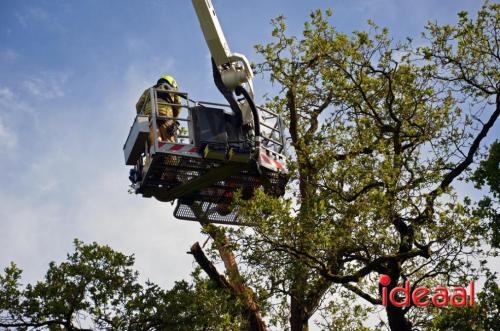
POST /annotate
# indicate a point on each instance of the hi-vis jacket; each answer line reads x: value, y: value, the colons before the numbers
x: 164, y: 109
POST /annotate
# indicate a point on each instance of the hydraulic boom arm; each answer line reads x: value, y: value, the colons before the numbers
x: 234, y: 68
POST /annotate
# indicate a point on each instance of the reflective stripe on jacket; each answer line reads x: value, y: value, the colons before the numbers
x: 163, y: 109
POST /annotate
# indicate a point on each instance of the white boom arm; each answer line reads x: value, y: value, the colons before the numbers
x: 233, y: 67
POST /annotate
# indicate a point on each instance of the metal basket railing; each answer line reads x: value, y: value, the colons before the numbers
x: 272, y: 139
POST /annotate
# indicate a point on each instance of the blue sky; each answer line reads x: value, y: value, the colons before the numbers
x: 70, y: 74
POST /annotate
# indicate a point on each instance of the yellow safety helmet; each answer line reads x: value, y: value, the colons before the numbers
x: 170, y: 80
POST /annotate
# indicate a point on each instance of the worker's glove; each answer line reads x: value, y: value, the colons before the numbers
x: 134, y: 176
x: 172, y: 127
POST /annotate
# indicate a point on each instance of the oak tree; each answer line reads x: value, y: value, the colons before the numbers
x: 379, y: 131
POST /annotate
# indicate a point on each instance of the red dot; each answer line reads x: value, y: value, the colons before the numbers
x: 384, y: 280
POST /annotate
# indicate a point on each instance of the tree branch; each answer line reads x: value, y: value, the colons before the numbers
x: 362, y: 294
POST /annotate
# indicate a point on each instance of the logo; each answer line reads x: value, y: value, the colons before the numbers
x: 423, y: 296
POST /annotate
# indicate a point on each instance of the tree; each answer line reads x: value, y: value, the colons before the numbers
x: 379, y: 131
x: 488, y: 174
x: 485, y: 315
x: 97, y: 289
x: 378, y: 135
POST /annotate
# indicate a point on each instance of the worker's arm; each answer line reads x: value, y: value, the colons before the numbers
x: 142, y: 101
x: 173, y: 125
x: 176, y: 109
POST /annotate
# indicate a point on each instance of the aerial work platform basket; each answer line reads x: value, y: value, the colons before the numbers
x: 207, y: 161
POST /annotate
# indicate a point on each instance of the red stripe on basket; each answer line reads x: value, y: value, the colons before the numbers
x: 176, y: 147
x: 265, y: 158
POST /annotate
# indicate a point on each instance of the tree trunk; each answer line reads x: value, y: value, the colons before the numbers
x: 395, y: 315
x: 236, y: 287
x: 299, y: 319
x: 397, y: 319
x: 235, y: 282
x: 251, y: 312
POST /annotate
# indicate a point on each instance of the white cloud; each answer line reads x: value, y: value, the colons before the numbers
x: 32, y: 233
x: 18, y: 111
x: 6, y: 94
x: 47, y: 85
x: 31, y: 15
x: 43, y: 171
x: 8, y: 139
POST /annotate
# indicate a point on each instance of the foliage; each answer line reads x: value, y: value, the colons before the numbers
x: 484, y: 315
x: 379, y: 131
x: 488, y: 173
x: 97, y: 289
x: 343, y: 312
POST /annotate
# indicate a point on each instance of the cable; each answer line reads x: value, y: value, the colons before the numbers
x: 240, y: 90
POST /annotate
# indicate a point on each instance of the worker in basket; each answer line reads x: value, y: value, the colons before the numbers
x: 168, y: 106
